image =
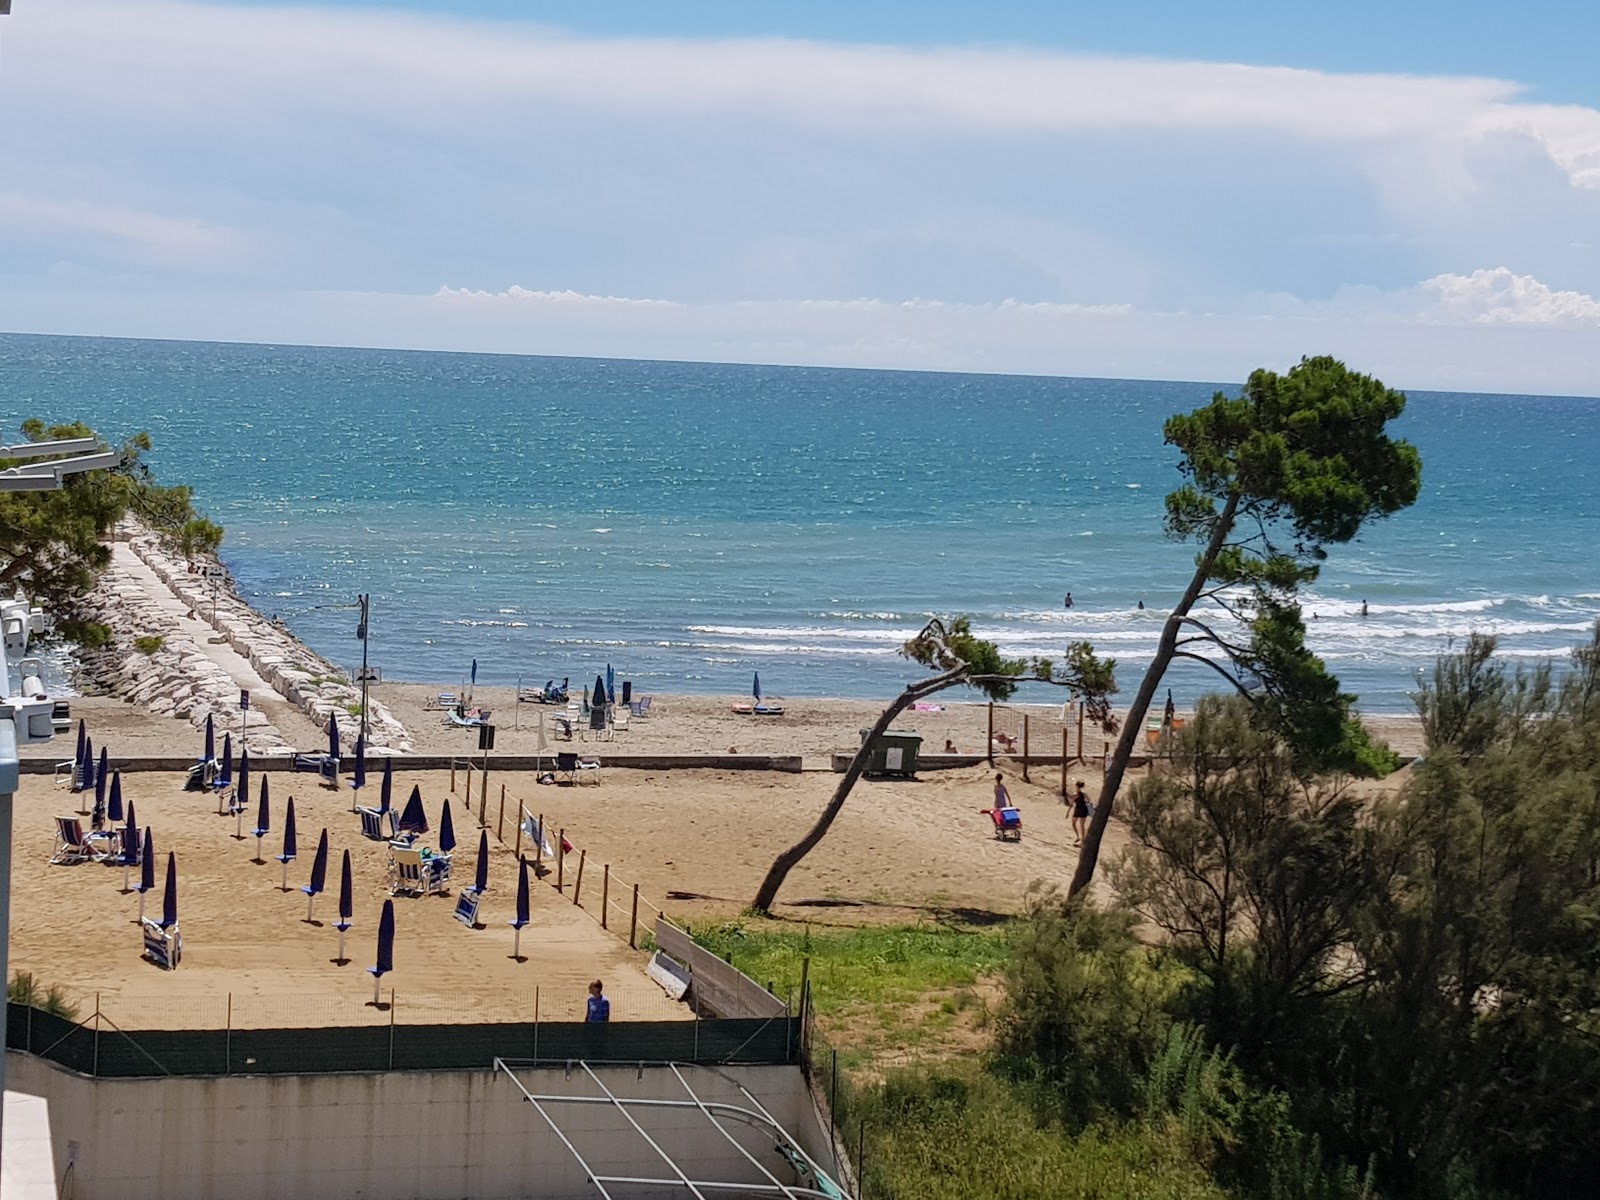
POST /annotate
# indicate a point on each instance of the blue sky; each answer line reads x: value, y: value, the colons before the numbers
x: 1144, y: 191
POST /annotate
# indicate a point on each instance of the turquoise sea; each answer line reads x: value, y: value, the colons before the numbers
x: 691, y: 523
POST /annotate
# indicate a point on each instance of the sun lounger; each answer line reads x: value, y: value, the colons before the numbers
x: 75, y: 846
x: 768, y: 710
x: 442, y: 700
x: 201, y: 776
x: 467, y: 907
x: 406, y: 872
x: 619, y: 718
x: 744, y: 708
x: 164, y: 947
x: 436, y: 874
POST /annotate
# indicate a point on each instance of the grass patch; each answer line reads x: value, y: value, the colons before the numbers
x: 880, y: 992
x: 149, y: 643
x: 25, y: 989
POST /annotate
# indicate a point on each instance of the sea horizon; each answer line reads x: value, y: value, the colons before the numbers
x: 692, y: 523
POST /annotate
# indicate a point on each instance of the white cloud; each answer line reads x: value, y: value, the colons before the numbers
x: 1499, y: 296
x: 180, y: 238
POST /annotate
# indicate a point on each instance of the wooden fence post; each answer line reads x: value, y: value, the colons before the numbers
x: 467, y: 792
x: 561, y: 860
x: 1066, y: 732
x: 605, y: 896
x: 500, y: 822
x: 633, y: 921
x: 452, y: 777
x: 518, y: 849
x: 538, y: 850
x: 988, y: 752
x: 577, y: 884
x: 1024, y: 747
x: 1080, y: 733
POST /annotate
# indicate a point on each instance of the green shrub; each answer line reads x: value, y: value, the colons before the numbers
x: 25, y: 989
x: 149, y: 643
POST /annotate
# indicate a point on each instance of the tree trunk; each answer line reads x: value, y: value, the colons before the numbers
x: 1089, y: 853
x: 790, y: 858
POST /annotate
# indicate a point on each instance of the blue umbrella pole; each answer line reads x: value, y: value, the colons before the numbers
x: 516, y: 944
x: 311, y: 900
x: 141, y: 907
x: 343, y: 928
x: 284, y: 886
x: 259, y: 859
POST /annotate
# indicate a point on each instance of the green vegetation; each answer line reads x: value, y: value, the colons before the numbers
x: 25, y: 989
x: 149, y: 643
x: 1293, y: 464
x: 52, y: 543
x: 1302, y: 989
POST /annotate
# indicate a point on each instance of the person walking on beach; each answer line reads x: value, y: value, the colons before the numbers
x: 1080, y: 813
x: 1002, y: 798
x: 599, y: 1007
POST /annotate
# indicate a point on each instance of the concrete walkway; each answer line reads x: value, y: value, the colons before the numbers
x: 267, y: 707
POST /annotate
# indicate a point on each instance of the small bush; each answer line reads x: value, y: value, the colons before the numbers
x: 25, y: 989
x: 149, y: 643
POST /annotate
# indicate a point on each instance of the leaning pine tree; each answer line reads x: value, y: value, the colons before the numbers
x: 1296, y: 462
x: 958, y: 658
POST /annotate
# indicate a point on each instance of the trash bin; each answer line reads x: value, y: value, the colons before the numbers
x: 895, y: 753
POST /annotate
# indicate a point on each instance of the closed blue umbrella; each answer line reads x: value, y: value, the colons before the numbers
x: 346, y: 905
x: 225, y: 774
x: 385, y: 948
x: 522, y: 910
x: 333, y: 734
x: 147, y: 871
x: 755, y: 687
x: 413, y: 819
x: 288, y: 854
x: 319, y: 873
x: 241, y: 792
x: 211, y: 740
x: 169, y: 898
x: 91, y: 777
x: 388, y: 783
x: 611, y: 685
x: 447, y: 831
x: 97, y: 816
x: 130, y: 848
x: 81, y: 755
x: 474, y: 672
x: 98, y: 779
x: 481, y: 883
x: 263, y: 819
x: 114, y: 806
x: 359, y: 779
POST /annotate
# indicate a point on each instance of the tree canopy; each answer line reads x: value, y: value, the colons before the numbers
x: 52, y: 543
x: 1296, y: 462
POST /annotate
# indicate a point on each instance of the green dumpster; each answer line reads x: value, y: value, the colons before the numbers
x: 895, y: 753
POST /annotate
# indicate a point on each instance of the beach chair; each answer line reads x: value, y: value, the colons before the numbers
x: 619, y: 719
x: 66, y: 773
x: 641, y: 706
x: 587, y: 768
x: 566, y: 766
x: 75, y: 846
x: 599, y: 718
x: 467, y: 907
x: 768, y: 710
x: 406, y: 872
x: 563, y: 725
x: 373, y: 822
x: 442, y: 700
x: 201, y: 776
x: 436, y: 874
x: 1007, y: 823
x: 164, y: 947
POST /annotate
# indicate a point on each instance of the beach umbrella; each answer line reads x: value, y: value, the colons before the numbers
x: 114, y: 806
x: 388, y: 784
x: 447, y: 830
x: 346, y: 904
x: 94, y: 779
x: 91, y: 777
x: 263, y: 819
x: 480, y: 884
x: 97, y: 816
x: 385, y: 948
x: 522, y: 911
x: 288, y: 854
x: 147, y: 871
x: 169, y: 897
x: 241, y: 793
x: 225, y: 774
x: 359, y: 779
x: 333, y: 735
x: 755, y: 687
x: 413, y: 819
x: 80, y: 757
x: 474, y: 672
x: 130, y: 848
x: 211, y: 740
x: 319, y: 873
x: 611, y: 685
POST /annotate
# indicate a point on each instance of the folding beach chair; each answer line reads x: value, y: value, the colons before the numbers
x: 641, y: 706
x: 201, y: 776
x: 164, y: 947
x: 567, y: 766
x: 373, y: 823
x: 436, y: 875
x: 467, y: 907
x: 588, y: 768
x: 564, y: 724
x: 406, y: 872
x: 75, y: 846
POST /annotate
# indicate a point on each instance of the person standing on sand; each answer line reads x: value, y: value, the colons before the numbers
x: 599, y: 1009
x: 1080, y: 813
x: 1002, y: 798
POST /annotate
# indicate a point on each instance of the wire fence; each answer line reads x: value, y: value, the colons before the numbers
x: 312, y: 1010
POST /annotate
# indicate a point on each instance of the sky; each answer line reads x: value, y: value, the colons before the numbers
x: 1160, y: 190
